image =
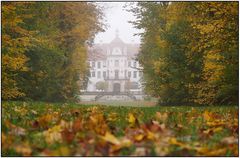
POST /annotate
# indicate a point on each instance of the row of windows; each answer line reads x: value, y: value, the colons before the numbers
x: 116, y: 64
x: 116, y: 74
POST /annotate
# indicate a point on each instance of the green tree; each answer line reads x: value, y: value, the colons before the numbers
x: 189, y: 51
x: 52, y: 40
x: 102, y: 85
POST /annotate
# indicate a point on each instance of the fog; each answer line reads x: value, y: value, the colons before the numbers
x: 116, y: 18
x: 115, y: 74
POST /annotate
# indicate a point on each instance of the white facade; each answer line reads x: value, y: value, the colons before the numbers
x: 116, y: 68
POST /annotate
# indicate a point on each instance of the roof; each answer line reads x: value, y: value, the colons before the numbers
x: 99, y: 51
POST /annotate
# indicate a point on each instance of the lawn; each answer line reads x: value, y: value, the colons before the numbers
x: 62, y: 129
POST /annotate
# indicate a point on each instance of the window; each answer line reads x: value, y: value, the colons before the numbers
x: 93, y: 74
x: 104, y: 74
x: 116, y: 63
x: 135, y: 64
x: 93, y: 64
x: 104, y: 64
x: 135, y: 74
x: 129, y: 74
x: 129, y: 64
x: 116, y: 74
x: 99, y: 64
x: 99, y: 74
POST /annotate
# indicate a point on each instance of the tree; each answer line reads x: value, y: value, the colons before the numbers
x: 15, y: 41
x: 102, y: 85
x: 189, y: 51
x: 49, y: 40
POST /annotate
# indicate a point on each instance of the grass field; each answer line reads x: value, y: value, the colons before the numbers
x: 46, y: 129
x: 122, y: 103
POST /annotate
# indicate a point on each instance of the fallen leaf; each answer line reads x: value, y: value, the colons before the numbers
x: 138, y: 137
x: 161, y: 117
x: 62, y: 151
x: 110, y: 138
x: 131, y: 119
x: 24, y: 149
x: 206, y: 116
x: 18, y: 131
x: 150, y: 135
x: 77, y: 125
x: 140, y: 151
x: 124, y: 143
x: 229, y: 140
x: 53, y: 134
x: 68, y: 135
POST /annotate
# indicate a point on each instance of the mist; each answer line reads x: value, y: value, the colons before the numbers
x: 117, y: 18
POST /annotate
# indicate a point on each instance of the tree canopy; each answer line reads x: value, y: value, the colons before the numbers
x: 44, y: 48
x: 189, y: 51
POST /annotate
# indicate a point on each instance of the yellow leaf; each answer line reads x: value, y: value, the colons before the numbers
x: 53, y: 134
x: 216, y: 123
x: 217, y: 152
x: 123, y: 143
x: 62, y: 151
x: 139, y: 137
x: 150, y: 135
x: 217, y: 129
x: 110, y: 138
x: 206, y: 116
x: 131, y: 118
x: 174, y: 141
x: 161, y: 117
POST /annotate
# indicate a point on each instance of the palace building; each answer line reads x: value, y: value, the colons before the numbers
x: 114, y: 68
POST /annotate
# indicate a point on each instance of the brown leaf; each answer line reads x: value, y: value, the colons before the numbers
x: 24, y: 149
x: 35, y: 124
x: 75, y: 112
x: 77, y: 125
x: 229, y: 140
x: 67, y: 135
x: 140, y: 151
x: 45, y: 120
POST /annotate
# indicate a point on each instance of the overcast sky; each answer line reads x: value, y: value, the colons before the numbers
x: 116, y: 17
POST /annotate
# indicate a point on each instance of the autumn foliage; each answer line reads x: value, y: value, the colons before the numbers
x: 189, y: 51
x: 44, y: 48
x: 41, y: 129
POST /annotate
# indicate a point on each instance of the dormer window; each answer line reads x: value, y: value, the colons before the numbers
x: 116, y: 51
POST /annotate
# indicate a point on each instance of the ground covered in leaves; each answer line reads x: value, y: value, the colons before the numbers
x: 43, y: 129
